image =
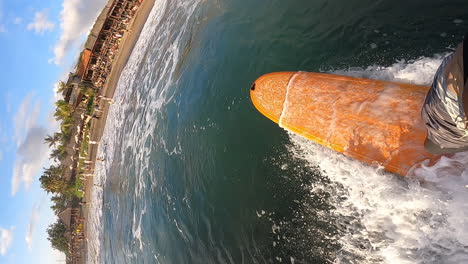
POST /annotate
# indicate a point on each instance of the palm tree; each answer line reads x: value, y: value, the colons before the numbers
x: 66, y: 127
x: 61, y: 87
x: 57, y: 235
x: 60, y: 202
x: 59, y: 153
x: 63, y: 150
x: 55, y: 171
x: 53, y: 140
x: 63, y: 110
x: 52, y: 183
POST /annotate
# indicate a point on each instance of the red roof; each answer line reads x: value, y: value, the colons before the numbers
x: 84, y: 61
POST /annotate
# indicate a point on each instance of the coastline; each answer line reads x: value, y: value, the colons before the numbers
x: 97, y: 125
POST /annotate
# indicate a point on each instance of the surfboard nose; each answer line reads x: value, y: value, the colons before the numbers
x: 268, y: 93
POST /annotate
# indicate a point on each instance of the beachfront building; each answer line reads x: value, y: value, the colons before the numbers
x: 72, y: 83
x: 83, y: 93
x: 72, y: 218
x: 71, y: 93
x: 92, y: 69
x: 104, y: 41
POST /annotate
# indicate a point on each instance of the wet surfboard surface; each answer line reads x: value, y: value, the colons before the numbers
x: 377, y: 122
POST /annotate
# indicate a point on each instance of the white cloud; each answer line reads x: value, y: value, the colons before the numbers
x: 1, y: 155
x: 3, y: 29
x: 26, y: 116
x: 33, y: 220
x: 76, y: 19
x: 57, y: 95
x: 41, y: 23
x: 17, y: 20
x: 31, y: 156
x: 6, y: 238
x: 31, y: 153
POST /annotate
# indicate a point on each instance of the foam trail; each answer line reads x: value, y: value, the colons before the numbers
x: 389, y: 219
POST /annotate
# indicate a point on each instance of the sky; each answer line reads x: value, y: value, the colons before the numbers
x: 40, y: 41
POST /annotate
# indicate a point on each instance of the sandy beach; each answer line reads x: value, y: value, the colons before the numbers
x: 97, y: 125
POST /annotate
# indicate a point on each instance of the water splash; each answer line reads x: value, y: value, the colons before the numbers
x: 383, y: 218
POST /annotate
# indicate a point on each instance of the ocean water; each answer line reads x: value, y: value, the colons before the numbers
x: 194, y: 174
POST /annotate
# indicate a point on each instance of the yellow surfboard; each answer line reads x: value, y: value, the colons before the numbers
x: 377, y: 122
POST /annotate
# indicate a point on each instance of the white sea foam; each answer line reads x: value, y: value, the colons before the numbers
x: 136, y: 227
x: 418, y: 219
x: 420, y: 71
x: 107, y: 144
x: 143, y: 87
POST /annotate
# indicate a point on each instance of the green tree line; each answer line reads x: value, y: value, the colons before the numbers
x: 64, y: 191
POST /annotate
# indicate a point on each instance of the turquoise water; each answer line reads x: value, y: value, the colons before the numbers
x: 194, y: 174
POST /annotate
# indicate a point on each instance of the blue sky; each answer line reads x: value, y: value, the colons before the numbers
x: 39, y: 41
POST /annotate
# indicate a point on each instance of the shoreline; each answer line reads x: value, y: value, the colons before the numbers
x: 97, y: 125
